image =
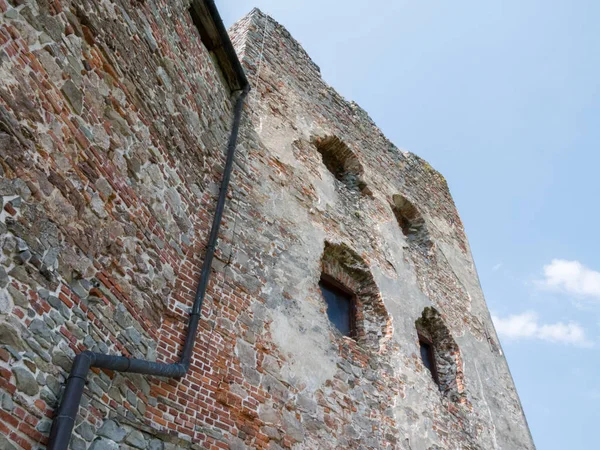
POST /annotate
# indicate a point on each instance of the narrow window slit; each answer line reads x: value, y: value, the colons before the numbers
x: 428, y: 357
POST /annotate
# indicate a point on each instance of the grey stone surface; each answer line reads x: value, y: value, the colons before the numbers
x: 104, y: 444
x: 77, y: 443
x: 5, y: 444
x: 44, y: 426
x: 136, y: 439
x: 6, y: 302
x: 18, y: 298
x: 3, y: 278
x: 7, y: 403
x: 111, y: 430
x: 25, y: 381
x: 62, y: 358
x: 73, y: 94
x: 292, y: 426
x: 86, y: 431
x: 10, y: 336
x: 156, y: 444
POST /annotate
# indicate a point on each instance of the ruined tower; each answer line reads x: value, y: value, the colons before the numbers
x: 343, y: 309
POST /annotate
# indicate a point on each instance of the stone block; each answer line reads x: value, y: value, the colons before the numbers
x: 25, y: 381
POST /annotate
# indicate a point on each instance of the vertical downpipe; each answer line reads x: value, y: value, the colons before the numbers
x: 64, y: 421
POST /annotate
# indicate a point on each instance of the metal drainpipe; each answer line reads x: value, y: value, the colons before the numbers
x: 64, y: 421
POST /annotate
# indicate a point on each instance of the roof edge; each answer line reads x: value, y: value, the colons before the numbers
x: 209, y: 17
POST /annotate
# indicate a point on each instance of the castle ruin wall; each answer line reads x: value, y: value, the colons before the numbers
x: 114, y: 120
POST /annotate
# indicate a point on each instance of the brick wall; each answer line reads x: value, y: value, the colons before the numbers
x: 113, y: 127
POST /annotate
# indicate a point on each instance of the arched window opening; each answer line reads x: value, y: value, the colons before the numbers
x: 440, y: 354
x: 409, y: 219
x: 342, y: 163
x: 354, y: 303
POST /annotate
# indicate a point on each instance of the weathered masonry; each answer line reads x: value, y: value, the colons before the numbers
x: 343, y: 309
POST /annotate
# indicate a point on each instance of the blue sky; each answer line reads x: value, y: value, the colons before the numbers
x: 502, y: 97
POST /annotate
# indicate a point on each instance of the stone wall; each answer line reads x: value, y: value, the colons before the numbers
x: 113, y: 125
x: 402, y: 224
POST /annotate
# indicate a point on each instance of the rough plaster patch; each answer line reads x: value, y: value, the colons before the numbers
x: 464, y: 269
x: 298, y: 326
x: 311, y: 357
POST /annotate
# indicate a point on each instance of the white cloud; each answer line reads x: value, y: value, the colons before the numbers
x: 526, y: 326
x: 571, y: 277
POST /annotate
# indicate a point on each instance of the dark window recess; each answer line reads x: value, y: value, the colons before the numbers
x: 428, y: 357
x: 340, y: 307
x: 341, y: 162
x: 409, y: 218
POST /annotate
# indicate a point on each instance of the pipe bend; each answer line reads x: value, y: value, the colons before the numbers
x: 81, y: 365
x: 67, y: 413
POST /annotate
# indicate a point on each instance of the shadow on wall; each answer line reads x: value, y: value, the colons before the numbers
x: 342, y: 162
x: 411, y: 222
